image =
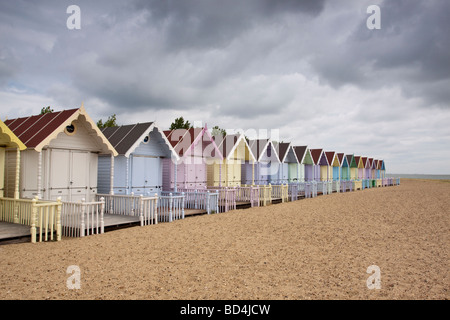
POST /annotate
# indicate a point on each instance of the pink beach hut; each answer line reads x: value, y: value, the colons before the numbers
x: 196, y: 149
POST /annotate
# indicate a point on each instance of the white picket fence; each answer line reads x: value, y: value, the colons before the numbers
x: 170, y: 207
x: 43, y: 217
x: 336, y: 186
x: 82, y: 218
x: 293, y: 191
x: 146, y: 208
x: 207, y: 200
x: 227, y: 198
x: 322, y: 186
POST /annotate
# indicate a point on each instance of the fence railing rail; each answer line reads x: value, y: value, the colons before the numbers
x: 132, y: 205
x: 227, y: 198
x: 82, y: 218
x: 171, y: 207
x: 202, y: 199
x: 43, y: 217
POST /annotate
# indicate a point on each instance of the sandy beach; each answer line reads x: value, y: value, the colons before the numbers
x: 316, y: 248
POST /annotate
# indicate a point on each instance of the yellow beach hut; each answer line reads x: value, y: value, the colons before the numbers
x: 228, y: 172
x: 8, y: 140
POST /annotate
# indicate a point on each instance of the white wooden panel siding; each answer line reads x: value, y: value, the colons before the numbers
x: 145, y: 177
x: 81, y: 140
x: 29, y: 174
x: 121, y: 175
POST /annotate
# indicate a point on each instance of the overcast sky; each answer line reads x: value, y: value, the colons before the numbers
x: 312, y: 71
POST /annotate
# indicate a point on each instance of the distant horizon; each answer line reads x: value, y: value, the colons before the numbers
x: 441, y: 176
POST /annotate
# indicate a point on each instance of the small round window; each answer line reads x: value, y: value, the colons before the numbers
x: 70, y: 130
x: 146, y: 139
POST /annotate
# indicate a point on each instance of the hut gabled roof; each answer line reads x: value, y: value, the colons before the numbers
x: 184, y: 141
x: 37, y: 131
x: 127, y: 138
x: 8, y: 139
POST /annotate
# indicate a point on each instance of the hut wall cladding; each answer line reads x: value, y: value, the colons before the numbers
x: 10, y: 173
x: 2, y: 171
x: 247, y: 172
x: 190, y: 175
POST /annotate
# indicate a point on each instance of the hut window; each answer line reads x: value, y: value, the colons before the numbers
x: 70, y: 130
x: 146, y: 139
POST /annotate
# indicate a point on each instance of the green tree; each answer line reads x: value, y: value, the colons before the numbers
x: 216, y: 131
x: 111, y: 122
x: 46, y: 110
x: 180, y: 123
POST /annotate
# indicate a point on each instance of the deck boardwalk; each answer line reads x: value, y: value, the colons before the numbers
x: 15, y: 232
x: 9, y: 231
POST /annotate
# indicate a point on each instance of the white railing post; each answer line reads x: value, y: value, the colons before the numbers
x: 208, y: 211
x: 102, y: 210
x: 58, y: 219
x: 196, y: 199
x: 82, y: 225
x: 182, y: 205
x: 141, y: 209
x: 33, y: 220
x: 170, y: 207
x: 156, y: 209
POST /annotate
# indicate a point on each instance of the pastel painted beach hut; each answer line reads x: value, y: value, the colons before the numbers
x: 267, y: 161
x: 9, y: 175
x: 373, y: 169
x: 305, y: 168
x: 337, y: 170
x: 288, y: 171
x: 332, y: 163
x: 320, y: 165
x: 377, y: 169
x: 229, y: 171
x: 61, y: 159
x: 196, y: 149
x: 303, y: 156
x: 138, y: 170
x: 367, y: 169
x: 353, y: 167
x: 345, y: 167
x: 382, y: 169
x: 359, y: 170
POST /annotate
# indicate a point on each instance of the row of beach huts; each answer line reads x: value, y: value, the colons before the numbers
x: 62, y: 176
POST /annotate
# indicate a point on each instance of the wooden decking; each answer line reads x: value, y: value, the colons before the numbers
x: 16, y: 233
x: 13, y: 231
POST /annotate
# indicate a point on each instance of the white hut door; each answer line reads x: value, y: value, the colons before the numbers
x: 200, y: 176
x: 59, y: 174
x: 138, y: 175
x: 153, y: 176
x: 69, y: 171
x: 146, y: 177
x: 79, y: 182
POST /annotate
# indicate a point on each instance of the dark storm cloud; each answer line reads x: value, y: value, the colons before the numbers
x: 310, y: 68
x: 412, y: 50
x: 202, y: 23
